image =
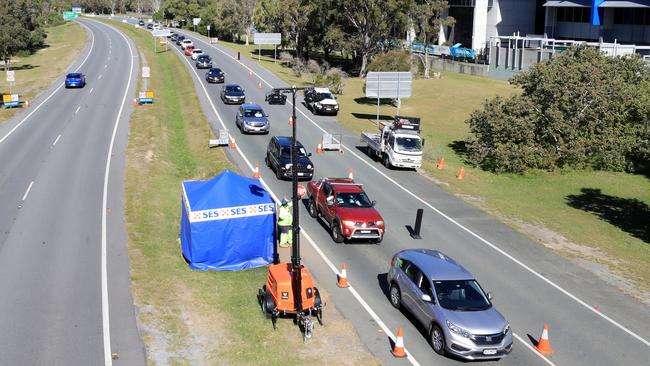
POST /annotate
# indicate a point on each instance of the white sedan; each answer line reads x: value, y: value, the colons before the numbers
x: 196, y: 53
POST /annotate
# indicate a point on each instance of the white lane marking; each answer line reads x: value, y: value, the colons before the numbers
x: 363, y: 303
x: 108, y: 361
x: 99, y: 77
x: 77, y: 110
x: 532, y: 349
x: 57, y: 140
x: 92, y: 46
x: 461, y: 226
x: 29, y: 188
x: 91, y: 90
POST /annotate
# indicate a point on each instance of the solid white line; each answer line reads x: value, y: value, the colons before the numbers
x: 108, y: 361
x: 363, y: 303
x: 92, y: 46
x: 57, y: 140
x: 91, y: 90
x: 461, y: 226
x: 99, y: 77
x: 77, y: 110
x: 29, y: 188
x: 533, y: 349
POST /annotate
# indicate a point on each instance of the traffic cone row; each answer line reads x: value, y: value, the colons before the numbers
x: 441, y: 164
x: 256, y: 171
x: 461, y: 173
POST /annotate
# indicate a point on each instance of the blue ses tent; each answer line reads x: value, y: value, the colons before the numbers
x: 228, y: 223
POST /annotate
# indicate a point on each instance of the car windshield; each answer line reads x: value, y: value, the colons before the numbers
x: 409, y: 144
x: 257, y: 113
x: 196, y: 50
x: 215, y: 71
x: 286, y: 151
x: 353, y: 200
x: 233, y: 88
x: 75, y: 76
x: 322, y: 96
x: 462, y: 295
x: 204, y: 57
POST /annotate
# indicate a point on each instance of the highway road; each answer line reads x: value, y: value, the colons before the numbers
x: 591, y: 323
x: 64, y: 271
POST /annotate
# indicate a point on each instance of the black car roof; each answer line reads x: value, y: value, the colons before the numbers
x: 215, y: 69
x: 285, y: 141
x: 74, y: 75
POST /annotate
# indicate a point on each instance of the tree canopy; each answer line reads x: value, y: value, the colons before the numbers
x: 583, y: 109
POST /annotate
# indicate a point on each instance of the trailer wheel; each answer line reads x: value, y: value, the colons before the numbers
x: 313, y: 211
x: 268, y: 304
x: 318, y: 302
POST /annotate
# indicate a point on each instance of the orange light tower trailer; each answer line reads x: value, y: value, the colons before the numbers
x: 289, y: 288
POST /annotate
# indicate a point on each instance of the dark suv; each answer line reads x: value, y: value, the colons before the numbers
x: 278, y: 158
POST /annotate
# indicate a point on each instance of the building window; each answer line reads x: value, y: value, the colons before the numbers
x: 574, y: 15
x: 630, y: 16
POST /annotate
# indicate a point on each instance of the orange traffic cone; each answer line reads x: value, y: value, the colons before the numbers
x: 256, y: 171
x: 319, y: 149
x: 461, y: 173
x: 290, y: 121
x: 398, y: 349
x: 259, y: 85
x: 250, y: 73
x: 135, y: 102
x: 350, y: 175
x: 27, y: 104
x: 233, y: 145
x: 544, y: 345
x: 441, y: 164
x: 343, y: 277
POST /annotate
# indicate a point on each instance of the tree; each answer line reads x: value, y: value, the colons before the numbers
x: 583, y: 109
x: 369, y: 21
x: 428, y: 16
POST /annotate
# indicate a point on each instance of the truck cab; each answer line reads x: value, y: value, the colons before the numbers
x: 346, y: 209
x: 398, y: 143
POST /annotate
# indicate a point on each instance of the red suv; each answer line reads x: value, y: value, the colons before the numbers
x: 346, y: 209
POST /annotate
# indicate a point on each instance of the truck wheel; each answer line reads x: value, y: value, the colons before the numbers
x: 387, y: 162
x: 313, y: 211
x: 336, y: 232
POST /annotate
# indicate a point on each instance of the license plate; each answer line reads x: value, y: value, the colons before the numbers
x: 301, y: 174
x: 490, y: 351
x: 365, y: 231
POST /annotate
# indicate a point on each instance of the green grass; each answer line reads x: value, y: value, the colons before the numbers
x: 36, y: 72
x: 195, y: 317
x: 538, y: 198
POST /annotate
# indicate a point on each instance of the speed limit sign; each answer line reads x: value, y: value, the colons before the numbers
x: 11, y: 76
x: 146, y: 72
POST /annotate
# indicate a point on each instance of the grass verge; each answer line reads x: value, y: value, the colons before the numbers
x: 594, y: 218
x: 37, y: 72
x: 194, y: 317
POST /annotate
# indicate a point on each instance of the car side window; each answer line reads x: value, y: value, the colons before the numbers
x: 425, y: 286
x: 327, y: 189
x: 412, y: 272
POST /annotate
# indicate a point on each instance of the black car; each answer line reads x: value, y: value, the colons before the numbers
x: 173, y: 37
x: 278, y: 158
x: 233, y: 94
x: 150, y: 26
x: 276, y: 97
x: 215, y: 75
x: 179, y: 39
x: 203, y: 62
x: 141, y: 23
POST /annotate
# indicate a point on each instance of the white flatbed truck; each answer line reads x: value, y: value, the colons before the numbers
x: 397, y: 144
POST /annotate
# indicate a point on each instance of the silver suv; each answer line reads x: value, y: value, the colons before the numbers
x: 448, y: 301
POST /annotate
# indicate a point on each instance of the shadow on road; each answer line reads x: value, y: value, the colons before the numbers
x: 628, y: 214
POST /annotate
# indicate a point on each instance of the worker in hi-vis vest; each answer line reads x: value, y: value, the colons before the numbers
x: 285, y: 220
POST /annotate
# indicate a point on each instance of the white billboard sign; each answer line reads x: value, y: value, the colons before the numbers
x: 11, y: 76
x: 389, y: 84
x: 161, y: 33
x: 267, y: 38
x: 196, y: 21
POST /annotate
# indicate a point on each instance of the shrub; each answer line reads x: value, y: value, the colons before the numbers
x: 391, y: 61
x: 286, y: 58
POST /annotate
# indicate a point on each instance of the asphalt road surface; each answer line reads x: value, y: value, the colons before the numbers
x: 62, y: 220
x: 591, y: 323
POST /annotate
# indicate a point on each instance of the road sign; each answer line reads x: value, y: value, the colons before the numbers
x: 207, y: 26
x: 196, y: 21
x: 76, y: 9
x: 389, y: 84
x: 146, y: 72
x: 11, y: 76
x: 69, y: 15
x: 267, y: 38
x: 161, y: 33
x: 301, y: 191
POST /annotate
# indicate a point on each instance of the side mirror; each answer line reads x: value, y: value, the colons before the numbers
x: 308, y: 154
x: 423, y: 142
x: 330, y: 201
x: 426, y: 298
x: 373, y: 203
x: 267, y: 115
x: 489, y: 296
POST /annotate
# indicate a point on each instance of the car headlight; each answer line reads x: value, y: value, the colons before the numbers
x: 506, y: 329
x: 287, y: 166
x: 458, y: 330
x: 348, y: 223
x: 309, y: 166
x: 318, y: 104
x: 336, y: 106
x: 379, y: 223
